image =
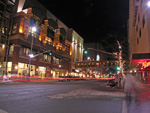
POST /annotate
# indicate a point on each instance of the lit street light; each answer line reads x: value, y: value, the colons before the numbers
x: 33, y: 30
x: 148, y: 3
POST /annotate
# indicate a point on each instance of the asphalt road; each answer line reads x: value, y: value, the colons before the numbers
x: 65, y: 97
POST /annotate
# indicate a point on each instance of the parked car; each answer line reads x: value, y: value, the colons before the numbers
x: 111, y: 83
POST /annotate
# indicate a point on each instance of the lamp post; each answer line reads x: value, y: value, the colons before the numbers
x: 120, y: 62
x: 148, y: 3
x: 33, y: 30
x: 59, y: 69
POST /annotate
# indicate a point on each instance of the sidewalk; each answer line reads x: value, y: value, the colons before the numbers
x: 18, y: 79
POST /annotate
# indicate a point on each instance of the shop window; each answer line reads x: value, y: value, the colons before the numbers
x: 11, y: 50
x: 14, y: 28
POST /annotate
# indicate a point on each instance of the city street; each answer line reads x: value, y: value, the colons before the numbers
x: 66, y: 97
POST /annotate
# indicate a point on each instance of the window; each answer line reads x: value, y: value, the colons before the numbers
x: 3, y: 30
x: 138, y: 18
x: 11, y: 49
x: 25, y: 51
x: 57, y: 60
x: 137, y: 28
x: 137, y: 40
x: 49, y: 58
x: 140, y: 33
x: 14, y: 29
x: 143, y: 21
x: 45, y: 57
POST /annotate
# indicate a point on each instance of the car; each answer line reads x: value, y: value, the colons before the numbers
x: 62, y: 78
x: 111, y: 83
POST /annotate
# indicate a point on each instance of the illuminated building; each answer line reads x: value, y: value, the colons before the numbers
x: 6, y: 10
x: 51, y: 36
x: 139, y: 37
x: 76, y: 48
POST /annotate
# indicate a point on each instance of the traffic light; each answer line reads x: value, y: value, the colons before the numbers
x: 118, y: 68
x: 50, y: 53
x: 85, y: 52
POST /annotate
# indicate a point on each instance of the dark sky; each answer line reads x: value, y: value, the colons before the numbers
x: 92, y: 19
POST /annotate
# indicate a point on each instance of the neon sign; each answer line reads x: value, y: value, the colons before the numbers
x: 145, y: 64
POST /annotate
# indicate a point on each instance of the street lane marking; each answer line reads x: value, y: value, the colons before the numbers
x: 2, y: 111
x: 124, y: 107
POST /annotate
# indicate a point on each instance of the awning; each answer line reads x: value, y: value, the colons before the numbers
x: 139, y: 58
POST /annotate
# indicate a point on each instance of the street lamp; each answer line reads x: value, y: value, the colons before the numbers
x: 148, y: 3
x: 33, y: 30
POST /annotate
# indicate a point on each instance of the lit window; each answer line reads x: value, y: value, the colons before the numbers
x: 14, y: 29
x: 3, y: 30
x: 45, y: 57
x: 11, y: 49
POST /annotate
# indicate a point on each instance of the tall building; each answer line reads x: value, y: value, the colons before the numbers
x: 6, y: 10
x: 37, y: 32
x: 139, y: 37
x: 76, y: 47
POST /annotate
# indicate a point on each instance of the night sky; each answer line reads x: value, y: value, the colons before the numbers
x: 92, y: 19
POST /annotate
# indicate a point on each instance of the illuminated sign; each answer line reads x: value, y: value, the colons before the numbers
x: 97, y: 59
x: 145, y: 64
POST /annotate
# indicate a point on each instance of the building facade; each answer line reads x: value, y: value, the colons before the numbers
x: 48, y: 44
x: 77, y: 47
x: 139, y: 36
x: 6, y: 10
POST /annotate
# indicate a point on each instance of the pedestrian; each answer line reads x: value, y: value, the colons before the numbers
x: 128, y: 86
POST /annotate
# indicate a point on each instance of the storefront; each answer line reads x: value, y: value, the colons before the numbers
x: 42, y: 71
x: 142, y: 64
